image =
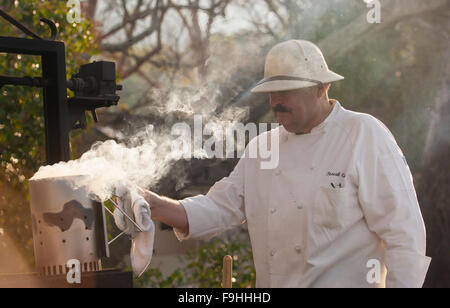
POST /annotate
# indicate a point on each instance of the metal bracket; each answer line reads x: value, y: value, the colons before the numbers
x: 24, y: 81
x: 126, y: 216
x: 48, y: 22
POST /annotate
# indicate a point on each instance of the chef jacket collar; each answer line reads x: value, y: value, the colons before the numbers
x: 321, y: 128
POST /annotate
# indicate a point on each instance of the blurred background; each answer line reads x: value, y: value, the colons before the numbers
x: 176, y: 58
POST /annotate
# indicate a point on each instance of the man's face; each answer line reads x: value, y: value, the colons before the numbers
x: 295, y: 109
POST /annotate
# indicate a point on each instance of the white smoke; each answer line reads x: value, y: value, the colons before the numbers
x: 143, y: 159
x: 108, y: 163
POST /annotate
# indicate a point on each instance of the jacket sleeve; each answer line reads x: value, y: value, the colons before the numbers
x: 389, y: 202
x: 221, y: 209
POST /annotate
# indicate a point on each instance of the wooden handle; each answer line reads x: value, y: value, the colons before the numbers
x: 227, y: 272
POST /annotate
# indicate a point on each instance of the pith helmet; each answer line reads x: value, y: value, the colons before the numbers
x: 293, y: 65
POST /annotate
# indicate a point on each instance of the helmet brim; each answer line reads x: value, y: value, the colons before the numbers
x: 270, y: 85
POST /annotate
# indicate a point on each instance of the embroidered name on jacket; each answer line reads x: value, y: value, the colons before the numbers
x: 341, y: 174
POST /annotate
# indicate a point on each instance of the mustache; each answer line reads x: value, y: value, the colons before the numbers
x: 280, y: 108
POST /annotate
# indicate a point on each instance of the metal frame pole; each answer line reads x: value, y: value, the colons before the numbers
x: 56, y: 110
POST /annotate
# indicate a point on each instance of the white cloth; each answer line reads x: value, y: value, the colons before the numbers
x: 135, y: 206
x: 305, y: 232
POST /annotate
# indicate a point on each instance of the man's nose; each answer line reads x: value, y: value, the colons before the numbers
x: 274, y: 100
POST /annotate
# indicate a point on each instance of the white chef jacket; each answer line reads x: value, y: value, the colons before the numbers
x: 340, y: 210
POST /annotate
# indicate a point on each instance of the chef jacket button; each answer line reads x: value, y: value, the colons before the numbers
x: 273, y: 210
x: 277, y: 172
x: 272, y: 253
x: 298, y: 248
x: 312, y: 167
x: 299, y: 206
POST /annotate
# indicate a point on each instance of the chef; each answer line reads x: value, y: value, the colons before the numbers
x: 338, y: 210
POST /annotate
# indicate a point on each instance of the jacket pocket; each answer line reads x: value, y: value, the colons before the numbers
x: 331, y: 208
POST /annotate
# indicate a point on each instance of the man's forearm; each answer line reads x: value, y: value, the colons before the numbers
x: 168, y: 211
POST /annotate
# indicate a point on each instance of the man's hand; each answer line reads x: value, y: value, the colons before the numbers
x: 166, y: 210
x: 152, y: 199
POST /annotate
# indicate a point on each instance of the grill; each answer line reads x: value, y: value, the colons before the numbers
x: 66, y: 223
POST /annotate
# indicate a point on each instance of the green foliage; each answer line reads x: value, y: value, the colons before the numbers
x: 202, y: 267
x: 153, y: 278
x: 22, y: 137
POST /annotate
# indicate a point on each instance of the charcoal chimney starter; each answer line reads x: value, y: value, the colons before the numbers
x: 67, y: 225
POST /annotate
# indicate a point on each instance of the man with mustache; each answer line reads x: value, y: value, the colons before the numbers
x: 339, y: 210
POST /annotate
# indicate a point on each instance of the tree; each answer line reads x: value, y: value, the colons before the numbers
x: 153, y: 31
